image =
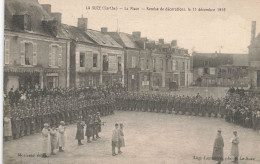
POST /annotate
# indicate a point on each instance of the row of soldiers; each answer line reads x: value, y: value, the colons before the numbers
x: 233, y: 109
x: 28, y: 116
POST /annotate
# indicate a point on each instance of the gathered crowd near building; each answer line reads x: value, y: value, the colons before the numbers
x: 57, y: 74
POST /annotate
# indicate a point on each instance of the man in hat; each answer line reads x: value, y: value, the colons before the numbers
x: 80, y: 131
x: 218, y: 148
x: 46, y: 140
x: 61, y: 136
x: 115, y: 139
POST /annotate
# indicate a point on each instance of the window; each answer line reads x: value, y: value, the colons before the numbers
x: 177, y: 65
x: 133, y: 61
x: 95, y: 60
x: 173, y: 65
x: 52, y: 82
x: 147, y: 64
x: 82, y: 59
x: 142, y: 64
x: 28, y: 53
x: 154, y: 62
x: 55, y: 55
x: 105, y: 63
x: 187, y: 65
x: 161, y: 64
x: 7, y: 51
x: 119, y: 64
x: 183, y: 65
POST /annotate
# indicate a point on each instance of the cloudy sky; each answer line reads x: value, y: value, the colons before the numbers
x: 228, y: 32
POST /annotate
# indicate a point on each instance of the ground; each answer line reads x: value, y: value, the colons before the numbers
x: 149, y: 137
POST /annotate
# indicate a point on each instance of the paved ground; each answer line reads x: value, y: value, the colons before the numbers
x: 149, y: 137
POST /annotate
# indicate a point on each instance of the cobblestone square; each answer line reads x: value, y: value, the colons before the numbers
x: 149, y: 138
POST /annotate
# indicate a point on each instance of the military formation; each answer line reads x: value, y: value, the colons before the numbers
x: 240, y: 109
x: 28, y: 116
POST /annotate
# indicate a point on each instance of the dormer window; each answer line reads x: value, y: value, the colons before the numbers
x: 23, y: 21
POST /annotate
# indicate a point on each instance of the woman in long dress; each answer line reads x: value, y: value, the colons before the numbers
x: 61, y: 136
x: 234, y: 148
x: 46, y: 140
x: 218, y: 148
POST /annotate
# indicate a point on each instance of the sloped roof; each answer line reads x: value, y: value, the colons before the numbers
x: 74, y: 33
x: 128, y: 40
x: 31, y: 7
x: 102, y: 39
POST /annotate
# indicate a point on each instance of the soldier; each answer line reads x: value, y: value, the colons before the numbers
x: 80, y: 131
x: 89, y: 130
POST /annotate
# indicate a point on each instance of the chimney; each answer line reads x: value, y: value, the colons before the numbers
x: 136, y: 34
x: 83, y: 24
x: 47, y: 8
x: 57, y: 17
x: 161, y: 41
x: 174, y: 43
x: 104, y: 29
x: 253, y: 28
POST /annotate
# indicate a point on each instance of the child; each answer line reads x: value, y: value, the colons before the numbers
x: 121, y: 138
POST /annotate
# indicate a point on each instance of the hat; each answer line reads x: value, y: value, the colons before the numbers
x: 121, y: 124
x: 62, y: 123
x: 234, y: 131
x: 45, y: 124
x: 219, y: 130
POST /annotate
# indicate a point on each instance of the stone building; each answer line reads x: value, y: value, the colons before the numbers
x: 137, y: 60
x: 111, y: 56
x: 35, y: 52
x: 220, y: 69
x: 254, y: 59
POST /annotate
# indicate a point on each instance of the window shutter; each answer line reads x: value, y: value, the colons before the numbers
x: 34, y: 54
x: 60, y: 56
x: 7, y: 49
x: 22, y: 49
x: 50, y: 55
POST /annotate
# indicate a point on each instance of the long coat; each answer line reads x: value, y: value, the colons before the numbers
x: 90, y: 127
x: 53, y: 138
x: 80, y: 131
x: 234, y: 148
x: 46, y: 141
x: 7, y: 127
x: 61, y: 136
x: 217, y: 154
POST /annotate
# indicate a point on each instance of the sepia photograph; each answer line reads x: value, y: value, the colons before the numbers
x: 130, y: 82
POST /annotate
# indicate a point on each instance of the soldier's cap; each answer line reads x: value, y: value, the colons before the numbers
x: 219, y: 130
x: 121, y: 124
x: 62, y: 123
x: 116, y: 124
x: 234, y: 131
x: 45, y: 124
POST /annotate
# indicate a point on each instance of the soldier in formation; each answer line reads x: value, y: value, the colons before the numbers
x: 236, y: 108
x: 28, y: 115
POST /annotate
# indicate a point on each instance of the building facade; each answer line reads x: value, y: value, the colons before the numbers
x: 218, y: 69
x: 254, y: 59
x: 35, y: 53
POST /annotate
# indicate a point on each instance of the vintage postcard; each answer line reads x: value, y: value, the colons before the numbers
x: 129, y: 81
